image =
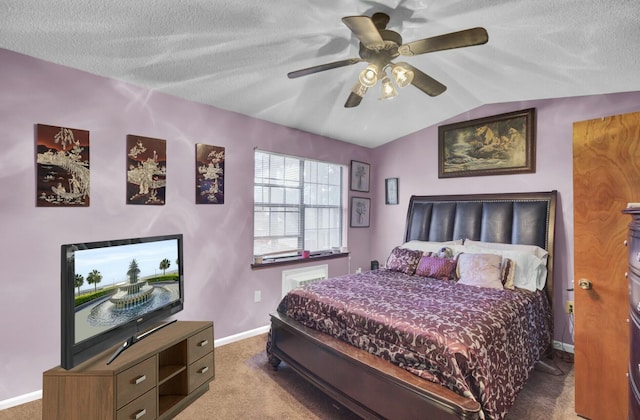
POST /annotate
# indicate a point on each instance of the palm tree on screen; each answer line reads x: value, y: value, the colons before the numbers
x: 94, y: 278
x: 164, y: 264
x: 79, y: 281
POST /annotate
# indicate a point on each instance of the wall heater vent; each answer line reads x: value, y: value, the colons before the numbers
x: 299, y: 276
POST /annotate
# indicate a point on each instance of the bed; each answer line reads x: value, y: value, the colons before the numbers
x: 418, y: 361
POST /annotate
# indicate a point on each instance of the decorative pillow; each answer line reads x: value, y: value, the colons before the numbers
x: 404, y: 260
x: 481, y: 270
x: 507, y: 273
x: 530, y: 270
x: 437, y: 268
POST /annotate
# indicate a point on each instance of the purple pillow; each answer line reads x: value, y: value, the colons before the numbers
x: 404, y: 260
x: 437, y: 268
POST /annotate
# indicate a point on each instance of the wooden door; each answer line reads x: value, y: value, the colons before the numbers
x: 606, y: 176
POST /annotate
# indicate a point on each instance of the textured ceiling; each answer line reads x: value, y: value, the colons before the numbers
x: 235, y: 55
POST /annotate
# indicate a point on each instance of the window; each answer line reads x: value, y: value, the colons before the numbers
x: 298, y: 204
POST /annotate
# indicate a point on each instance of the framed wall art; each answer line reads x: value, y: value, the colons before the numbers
x: 496, y: 145
x: 359, y: 176
x: 62, y: 166
x: 146, y: 170
x: 209, y: 174
x: 360, y: 211
x: 391, y: 191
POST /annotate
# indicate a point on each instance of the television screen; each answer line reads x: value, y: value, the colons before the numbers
x: 113, y: 290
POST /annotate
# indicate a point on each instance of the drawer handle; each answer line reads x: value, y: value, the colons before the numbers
x: 203, y: 343
x: 140, y: 379
x: 638, y: 256
x: 625, y: 242
x: 140, y: 413
x: 204, y: 369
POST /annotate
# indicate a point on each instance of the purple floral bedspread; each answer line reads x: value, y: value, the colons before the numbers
x: 481, y: 343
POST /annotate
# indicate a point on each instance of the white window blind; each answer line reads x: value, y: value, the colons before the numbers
x: 297, y: 204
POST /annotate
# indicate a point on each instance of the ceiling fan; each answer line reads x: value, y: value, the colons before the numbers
x: 379, y: 46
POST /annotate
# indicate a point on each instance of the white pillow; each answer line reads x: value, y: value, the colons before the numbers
x: 533, y: 249
x: 481, y: 270
x: 427, y: 246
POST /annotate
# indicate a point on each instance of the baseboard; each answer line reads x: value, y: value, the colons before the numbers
x: 20, y: 399
x: 241, y: 336
x: 36, y: 395
x: 567, y: 348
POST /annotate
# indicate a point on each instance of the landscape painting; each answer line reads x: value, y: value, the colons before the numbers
x: 146, y: 170
x: 497, y: 145
x: 62, y: 161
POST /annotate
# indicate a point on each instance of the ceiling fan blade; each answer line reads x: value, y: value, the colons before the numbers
x: 322, y: 67
x: 425, y: 83
x: 353, y: 100
x: 466, y: 38
x: 365, y: 30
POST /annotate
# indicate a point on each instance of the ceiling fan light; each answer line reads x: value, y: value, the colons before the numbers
x: 369, y: 76
x: 401, y: 75
x: 359, y: 89
x: 388, y: 90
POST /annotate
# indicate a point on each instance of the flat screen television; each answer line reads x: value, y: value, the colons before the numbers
x: 113, y: 290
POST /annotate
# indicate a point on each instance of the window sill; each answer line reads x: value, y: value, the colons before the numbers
x: 297, y: 260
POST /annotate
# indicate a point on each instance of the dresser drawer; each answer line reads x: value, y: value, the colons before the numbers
x: 144, y: 407
x: 200, y: 344
x: 135, y: 381
x: 201, y: 371
x: 634, y: 293
x: 634, y: 402
x: 634, y: 250
x: 634, y: 355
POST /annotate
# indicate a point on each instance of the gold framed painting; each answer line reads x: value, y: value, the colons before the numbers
x: 497, y: 145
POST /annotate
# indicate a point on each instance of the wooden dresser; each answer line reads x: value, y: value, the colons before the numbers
x: 633, y: 275
x: 154, y: 379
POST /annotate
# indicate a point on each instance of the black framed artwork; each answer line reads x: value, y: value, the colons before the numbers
x: 359, y: 176
x: 360, y: 211
x: 391, y: 191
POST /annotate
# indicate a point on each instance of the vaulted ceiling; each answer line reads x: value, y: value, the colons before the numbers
x: 235, y: 55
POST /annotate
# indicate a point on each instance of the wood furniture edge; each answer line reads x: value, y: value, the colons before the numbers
x: 450, y: 404
x: 98, y: 373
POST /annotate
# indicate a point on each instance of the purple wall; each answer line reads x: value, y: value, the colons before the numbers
x: 219, y: 282
x: 218, y: 238
x: 414, y: 160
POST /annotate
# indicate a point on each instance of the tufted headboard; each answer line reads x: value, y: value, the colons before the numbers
x: 515, y: 218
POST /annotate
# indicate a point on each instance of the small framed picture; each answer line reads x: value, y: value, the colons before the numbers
x: 360, y: 211
x: 391, y: 191
x: 359, y: 176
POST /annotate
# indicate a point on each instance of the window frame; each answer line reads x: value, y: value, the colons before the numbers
x: 303, y: 207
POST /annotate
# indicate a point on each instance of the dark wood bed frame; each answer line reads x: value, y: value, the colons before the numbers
x: 374, y: 388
